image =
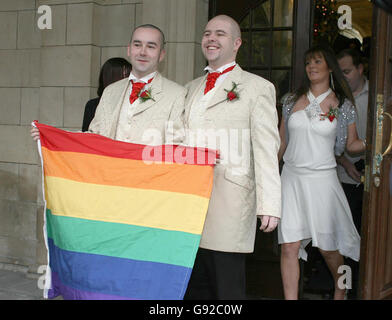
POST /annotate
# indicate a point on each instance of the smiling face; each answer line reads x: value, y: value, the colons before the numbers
x: 220, y: 42
x: 145, y: 52
x: 317, y: 68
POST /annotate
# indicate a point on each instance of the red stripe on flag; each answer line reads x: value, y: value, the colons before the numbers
x: 59, y: 140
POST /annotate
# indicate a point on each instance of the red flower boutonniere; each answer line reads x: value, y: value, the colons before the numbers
x: 146, y: 95
x: 232, y: 94
x: 331, y: 114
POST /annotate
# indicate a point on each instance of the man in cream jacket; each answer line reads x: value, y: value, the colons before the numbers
x: 233, y: 111
x: 145, y: 108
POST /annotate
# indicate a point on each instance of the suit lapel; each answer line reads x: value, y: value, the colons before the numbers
x: 113, y: 122
x: 156, y: 94
x: 220, y: 94
x: 198, y: 87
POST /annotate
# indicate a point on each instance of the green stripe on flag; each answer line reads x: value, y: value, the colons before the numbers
x: 122, y: 240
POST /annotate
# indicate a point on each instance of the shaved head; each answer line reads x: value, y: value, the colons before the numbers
x: 221, y: 41
x: 234, y: 26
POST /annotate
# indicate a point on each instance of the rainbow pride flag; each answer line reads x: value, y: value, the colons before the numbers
x: 116, y: 226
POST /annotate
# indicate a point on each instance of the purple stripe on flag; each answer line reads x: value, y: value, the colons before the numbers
x: 58, y: 288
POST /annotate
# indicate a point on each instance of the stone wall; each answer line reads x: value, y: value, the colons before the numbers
x: 49, y: 75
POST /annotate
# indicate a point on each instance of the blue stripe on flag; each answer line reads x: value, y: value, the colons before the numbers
x: 118, y: 276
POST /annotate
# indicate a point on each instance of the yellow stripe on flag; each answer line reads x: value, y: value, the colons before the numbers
x: 141, y: 207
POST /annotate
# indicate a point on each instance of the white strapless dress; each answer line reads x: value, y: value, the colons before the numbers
x: 314, y: 206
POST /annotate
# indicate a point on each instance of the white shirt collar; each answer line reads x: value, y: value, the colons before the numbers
x: 209, y: 69
x: 365, y: 88
x: 145, y: 79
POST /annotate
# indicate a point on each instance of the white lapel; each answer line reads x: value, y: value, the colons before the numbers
x: 112, y: 120
x: 190, y: 100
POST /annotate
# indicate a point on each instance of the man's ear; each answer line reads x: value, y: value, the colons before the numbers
x: 129, y: 50
x: 360, y: 69
x: 162, y: 55
x: 237, y: 44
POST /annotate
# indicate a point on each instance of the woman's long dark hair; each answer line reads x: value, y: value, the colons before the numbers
x: 113, y: 70
x: 340, y: 86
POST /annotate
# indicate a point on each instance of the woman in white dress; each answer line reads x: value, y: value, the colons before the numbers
x: 318, y: 123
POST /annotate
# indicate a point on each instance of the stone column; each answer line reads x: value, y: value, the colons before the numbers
x: 183, y: 22
x: 19, y: 90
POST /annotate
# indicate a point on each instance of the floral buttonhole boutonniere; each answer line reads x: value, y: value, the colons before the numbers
x: 331, y: 114
x: 146, y: 95
x: 233, y: 93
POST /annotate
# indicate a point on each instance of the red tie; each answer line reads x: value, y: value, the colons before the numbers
x: 211, y: 78
x: 136, y: 88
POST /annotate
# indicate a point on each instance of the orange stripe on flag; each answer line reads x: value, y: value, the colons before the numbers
x: 97, y: 169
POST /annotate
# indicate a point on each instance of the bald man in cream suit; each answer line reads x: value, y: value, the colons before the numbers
x: 146, y: 108
x: 233, y: 111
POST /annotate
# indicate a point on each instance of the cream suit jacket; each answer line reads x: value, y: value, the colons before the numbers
x: 240, y: 192
x: 163, y: 114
